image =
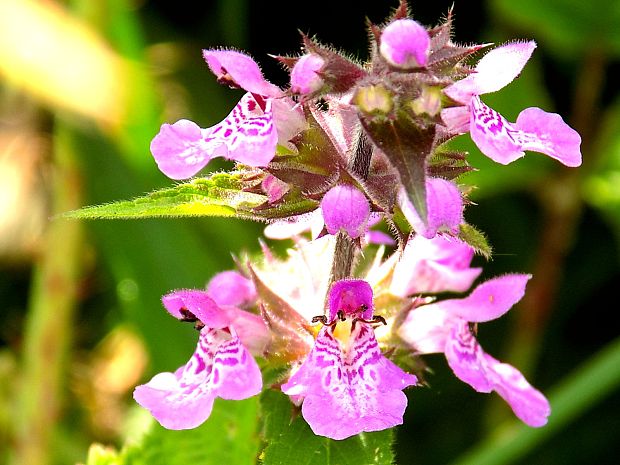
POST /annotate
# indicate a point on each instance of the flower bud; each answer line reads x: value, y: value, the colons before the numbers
x: 373, y: 100
x: 345, y: 208
x: 405, y: 44
x: 429, y: 102
x: 304, y: 77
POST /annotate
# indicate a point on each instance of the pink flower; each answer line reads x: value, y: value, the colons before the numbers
x: 221, y: 365
x: 445, y: 327
x: 305, y: 78
x: 405, y: 44
x: 496, y: 137
x: 444, y: 207
x: 249, y: 134
x: 440, y: 264
x: 349, y: 387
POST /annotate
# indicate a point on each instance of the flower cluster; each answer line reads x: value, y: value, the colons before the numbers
x: 345, y: 147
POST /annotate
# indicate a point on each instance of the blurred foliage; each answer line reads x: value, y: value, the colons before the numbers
x: 95, y: 79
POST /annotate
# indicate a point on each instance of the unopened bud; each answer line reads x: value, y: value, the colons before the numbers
x: 373, y: 100
x: 428, y: 102
x: 304, y: 75
x: 405, y: 44
x: 345, y: 208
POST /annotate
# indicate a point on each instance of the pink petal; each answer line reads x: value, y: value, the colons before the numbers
x: 549, y: 134
x: 405, y: 44
x: 379, y: 238
x: 440, y: 264
x: 466, y: 358
x: 231, y: 288
x: 180, y: 151
x: 248, y: 132
x: 199, y: 304
x: 493, y: 134
x: 495, y: 70
x: 304, y: 75
x: 251, y: 329
x: 220, y: 367
x: 239, y: 70
x: 489, y: 300
x: 274, y: 188
x: 456, y: 119
x: 444, y: 205
x: 236, y: 374
x: 534, y: 130
x: 351, y: 296
x: 528, y: 404
x: 485, y: 374
x: 427, y: 329
x: 346, y: 393
x: 289, y: 120
x: 345, y: 208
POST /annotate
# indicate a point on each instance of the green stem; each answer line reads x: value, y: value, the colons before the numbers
x: 49, y: 319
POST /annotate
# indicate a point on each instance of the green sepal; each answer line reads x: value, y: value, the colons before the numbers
x: 407, y: 143
x: 476, y: 239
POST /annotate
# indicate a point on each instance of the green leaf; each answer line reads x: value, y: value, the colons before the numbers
x: 407, y: 144
x: 292, y: 441
x: 220, y: 194
x: 228, y: 437
x: 476, y: 239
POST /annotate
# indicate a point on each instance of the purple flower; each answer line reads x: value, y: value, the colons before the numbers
x: 305, y: 78
x: 405, y: 44
x: 440, y: 264
x: 221, y: 365
x: 249, y: 134
x: 444, y: 207
x: 498, y: 139
x: 348, y: 386
x: 345, y: 208
x: 231, y: 288
x: 445, y: 327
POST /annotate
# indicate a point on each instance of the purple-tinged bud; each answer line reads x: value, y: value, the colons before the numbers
x: 373, y: 100
x: 405, y: 44
x: 304, y: 75
x: 345, y: 208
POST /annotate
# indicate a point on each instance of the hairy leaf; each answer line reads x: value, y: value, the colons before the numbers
x: 220, y: 194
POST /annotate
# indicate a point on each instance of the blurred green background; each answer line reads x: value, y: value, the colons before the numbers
x: 84, y: 86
